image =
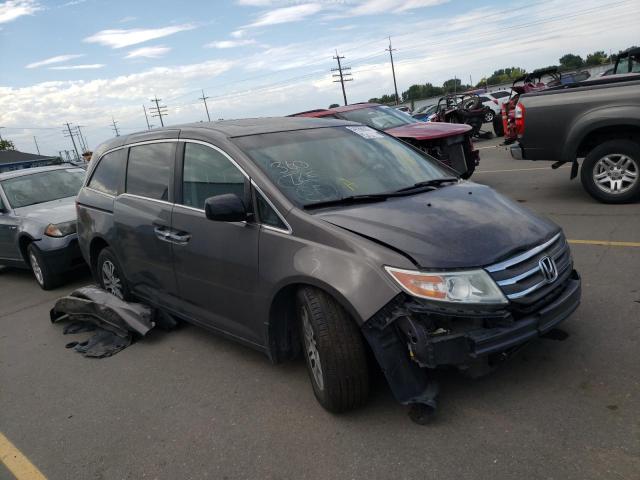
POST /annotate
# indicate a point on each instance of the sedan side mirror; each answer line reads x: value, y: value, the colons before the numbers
x: 225, y: 208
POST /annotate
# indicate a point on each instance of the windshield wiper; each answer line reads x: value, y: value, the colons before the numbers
x: 436, y: 182
x: 373, y: 197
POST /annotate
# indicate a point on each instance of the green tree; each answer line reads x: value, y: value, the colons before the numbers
x: 7, y: 145
x: 571, y: 61
x: 596, y: 58
x: 503, y: 75
x: 334, y: 105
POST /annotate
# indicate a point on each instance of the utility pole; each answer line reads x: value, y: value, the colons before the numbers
x: 393, y: 70
x: 1, y: 133
x: 146, y: 117
x: 160, y: 110
x: 83, y: 139
x: 72, y: 139
x: 36, y: 142
x: 115, y: 126
x: 342, y: 75
x: 204, y: 99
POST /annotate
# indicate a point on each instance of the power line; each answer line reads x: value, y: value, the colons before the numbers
x: 204, y: 99
x: 160, y: 110
x: 83, y: 140
x: 393, y: 70
x: 342, y: 75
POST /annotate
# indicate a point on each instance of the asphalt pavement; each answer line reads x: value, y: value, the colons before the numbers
x: 190, y: 405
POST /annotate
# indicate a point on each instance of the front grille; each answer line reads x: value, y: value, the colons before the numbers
x: 522, y: 278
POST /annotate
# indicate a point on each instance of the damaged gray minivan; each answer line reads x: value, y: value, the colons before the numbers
x: 326, y: 238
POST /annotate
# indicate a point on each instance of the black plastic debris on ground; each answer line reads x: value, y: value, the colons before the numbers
x: 114, y: 323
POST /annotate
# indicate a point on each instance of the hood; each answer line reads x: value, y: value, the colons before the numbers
x: 56, y: 211
x: 459, y: 226
x: 428, y: 130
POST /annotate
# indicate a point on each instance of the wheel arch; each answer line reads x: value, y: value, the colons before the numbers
x: 24, y: 240
x: 95, y: 247
x: 283, y: 341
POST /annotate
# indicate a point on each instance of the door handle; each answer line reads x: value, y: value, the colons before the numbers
x: 162, y: 233
x: 180, y: 238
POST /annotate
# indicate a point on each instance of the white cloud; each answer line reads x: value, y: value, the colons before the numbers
x: 119, y: 38
x: 230, y: 43
x: 12, y: 9
x: 52, y: 60
x: 127, y: 19
x: 148, y: 52
x: 238, y: 33
x: 286, y: 14
x: 89, y: 66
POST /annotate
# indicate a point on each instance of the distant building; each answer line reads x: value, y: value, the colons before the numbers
x: 15, y: 160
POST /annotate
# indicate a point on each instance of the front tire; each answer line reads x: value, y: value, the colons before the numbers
x: 110, y: 275
x: 43, y: 274
x: 610, y: 172
x: 334, y: 350
x: 489, y: 116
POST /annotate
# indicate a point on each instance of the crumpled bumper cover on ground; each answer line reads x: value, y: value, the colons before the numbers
x: 408, y: 335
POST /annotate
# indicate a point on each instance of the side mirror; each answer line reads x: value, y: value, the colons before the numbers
x: 225, y: 208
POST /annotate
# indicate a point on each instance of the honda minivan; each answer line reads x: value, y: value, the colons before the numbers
x: 326, y: 238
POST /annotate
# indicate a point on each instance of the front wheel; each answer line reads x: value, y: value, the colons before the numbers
x: 334, y: 351
x: 611, y: 172
x: 489, y: 116
x: 46, y: 278
x: 110, y: 275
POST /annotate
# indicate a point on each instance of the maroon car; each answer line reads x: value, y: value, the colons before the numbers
x: 450, y: 143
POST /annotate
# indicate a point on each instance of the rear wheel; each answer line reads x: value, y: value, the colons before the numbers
x: 611, y: 172
x: 46, y: 278
x: 334, y: 351
x: 110, y: 275
x: 489, y: 115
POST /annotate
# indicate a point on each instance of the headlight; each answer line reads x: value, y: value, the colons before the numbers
x: 60, y: 229
x: 471, y: 286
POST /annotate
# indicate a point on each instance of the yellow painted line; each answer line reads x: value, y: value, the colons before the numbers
x: 519, y: 169
x: 17, y: 463
x: 605, y: 243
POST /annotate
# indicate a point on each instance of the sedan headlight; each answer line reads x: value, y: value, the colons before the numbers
x: 470, y: 286
x: 60, y: 229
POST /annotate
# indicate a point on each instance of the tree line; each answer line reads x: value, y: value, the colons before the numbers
x: 569, y: 61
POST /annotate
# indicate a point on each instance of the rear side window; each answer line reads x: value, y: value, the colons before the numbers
x: 107, y: 175
x: 207, y: 173
x: 500, y: 94
x: 149, y: 170
x: 484, y: 99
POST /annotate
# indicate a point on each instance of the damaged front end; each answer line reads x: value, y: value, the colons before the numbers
x: 410, y: 335
x: 457, y: 152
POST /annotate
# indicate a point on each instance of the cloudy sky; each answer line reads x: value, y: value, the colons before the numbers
x: 86, y: 61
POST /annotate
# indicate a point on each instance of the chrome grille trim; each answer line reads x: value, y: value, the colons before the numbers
x: 528, y: 273
x: 522, y: 257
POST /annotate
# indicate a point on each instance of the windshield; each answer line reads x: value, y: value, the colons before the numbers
x: 379, y: 117
x: 425, y: 109
x: 325, y: 164
x: 43, y: 186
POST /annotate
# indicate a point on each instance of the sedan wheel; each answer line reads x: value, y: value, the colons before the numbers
x: 488, y: 117
x: 311, y: 348
x: 37, y: 270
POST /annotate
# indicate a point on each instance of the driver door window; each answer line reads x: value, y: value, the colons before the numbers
x: 207, y: 173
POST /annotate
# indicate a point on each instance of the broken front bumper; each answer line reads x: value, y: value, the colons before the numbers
x: 409, y: 334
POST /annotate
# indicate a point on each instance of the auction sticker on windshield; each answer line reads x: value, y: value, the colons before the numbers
x: 366, y: 132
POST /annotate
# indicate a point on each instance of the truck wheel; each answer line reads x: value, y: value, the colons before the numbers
x: 110, y: 275
x: 334, y: 351
x: 41, y: 271
x: 611, y: 172
x: 498, y: 127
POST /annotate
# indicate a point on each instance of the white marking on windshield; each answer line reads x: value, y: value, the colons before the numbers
x: 366, y: 132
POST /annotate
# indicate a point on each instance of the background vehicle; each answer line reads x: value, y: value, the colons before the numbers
x: 627, y: 62
x: 38, y: 221
x: 314, y: 235
x: 425, y: 113
x: 451, y: 144
x: 598, y: 120
x: 465, y: 108
x: 493, y: 101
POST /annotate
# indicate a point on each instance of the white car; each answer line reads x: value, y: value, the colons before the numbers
x: 494, y: 101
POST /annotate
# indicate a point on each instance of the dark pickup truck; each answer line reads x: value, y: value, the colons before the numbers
x: 598, y: 121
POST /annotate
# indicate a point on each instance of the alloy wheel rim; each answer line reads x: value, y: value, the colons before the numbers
x: 35, y: 266
x: 615, y: 173
x: 110, y: 279
x: 311, y: 349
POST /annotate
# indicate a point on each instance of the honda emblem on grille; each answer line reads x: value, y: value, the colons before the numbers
x: 548, y: 269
